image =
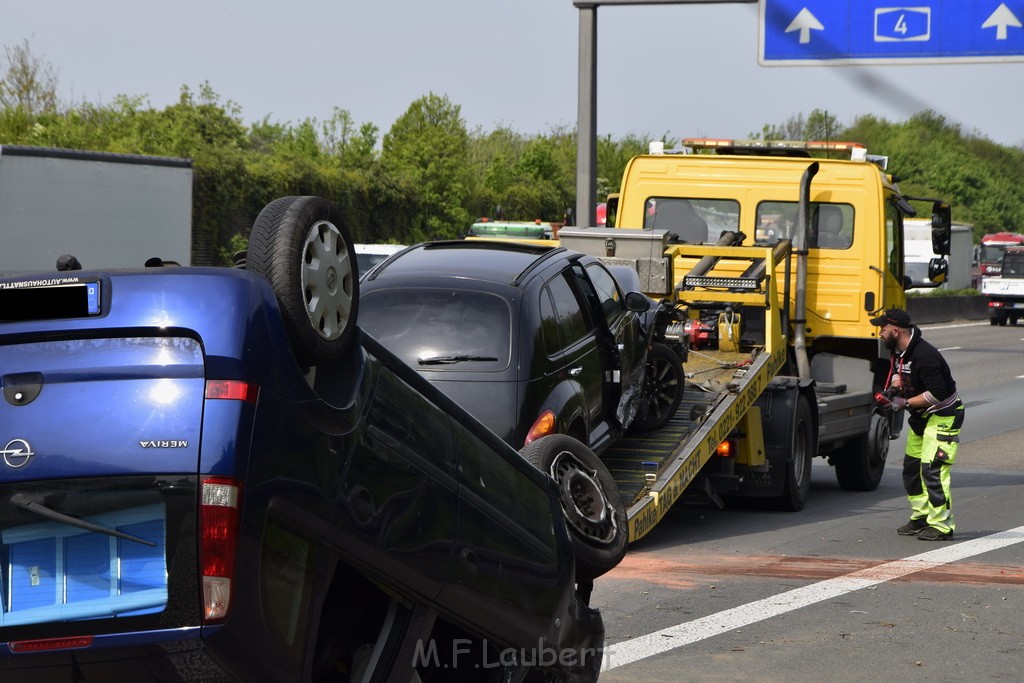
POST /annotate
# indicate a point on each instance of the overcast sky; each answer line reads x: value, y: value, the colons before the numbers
x: 684, y: 70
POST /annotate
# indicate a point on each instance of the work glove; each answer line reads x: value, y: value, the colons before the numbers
x: 896, y: 404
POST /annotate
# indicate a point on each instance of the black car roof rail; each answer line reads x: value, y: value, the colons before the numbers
x: 543, y: 252
x: 544, y: 258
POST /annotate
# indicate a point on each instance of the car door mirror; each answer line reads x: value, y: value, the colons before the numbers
x: 637, y: 302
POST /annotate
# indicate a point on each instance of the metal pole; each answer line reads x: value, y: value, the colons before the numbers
x: 586, y: 116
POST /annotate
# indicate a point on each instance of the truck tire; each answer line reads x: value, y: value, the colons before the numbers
x: 662, y: 389
x: 590, y: 502
x: 798, y: 468
x: 860, y: 463
x: 303, y: 248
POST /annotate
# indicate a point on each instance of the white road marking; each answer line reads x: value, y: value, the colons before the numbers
x: 951, y: 348
x: 628, y: 651
x: 949, y: 326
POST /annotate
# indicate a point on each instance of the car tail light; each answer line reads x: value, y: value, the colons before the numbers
x: 542, y: 426
x: 42, y: 644
x: 995, y: 304
x: 221, y: 498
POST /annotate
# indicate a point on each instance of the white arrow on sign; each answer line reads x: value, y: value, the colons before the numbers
x: 805, y: 22
x: 1000, y: 19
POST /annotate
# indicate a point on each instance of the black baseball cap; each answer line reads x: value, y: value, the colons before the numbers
x: 893, y: 316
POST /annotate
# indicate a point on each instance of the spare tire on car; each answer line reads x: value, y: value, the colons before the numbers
x: 590, y: 501
x: 302, y: 246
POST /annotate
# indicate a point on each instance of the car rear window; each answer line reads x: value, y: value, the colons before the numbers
x: 440, y: 329
x: 97, y: 555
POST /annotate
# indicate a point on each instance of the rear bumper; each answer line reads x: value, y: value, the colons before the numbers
x: 182, y: 659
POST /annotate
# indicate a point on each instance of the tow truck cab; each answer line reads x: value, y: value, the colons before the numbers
x: 854, y: 240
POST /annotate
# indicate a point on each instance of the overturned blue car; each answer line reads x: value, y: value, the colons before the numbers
x: 213, y: 474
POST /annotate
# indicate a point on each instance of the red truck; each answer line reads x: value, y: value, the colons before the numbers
x: 1005, y: 289
x: 990, y: 256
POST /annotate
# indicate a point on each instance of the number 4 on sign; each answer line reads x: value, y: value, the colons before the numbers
x: 901, y: 24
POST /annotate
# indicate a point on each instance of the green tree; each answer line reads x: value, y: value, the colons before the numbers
x: 982, y: 181
x: 29, y: 83
x: 818, y: 125
x: 612, y: 157
x: 355, y: 146
x: 426, y: 153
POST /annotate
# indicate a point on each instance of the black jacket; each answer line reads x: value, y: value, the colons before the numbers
x: 923, y: 370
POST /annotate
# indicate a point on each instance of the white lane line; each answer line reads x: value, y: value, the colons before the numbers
x: 628, y: 651
x: 949, y: 326
x: 951, y: 348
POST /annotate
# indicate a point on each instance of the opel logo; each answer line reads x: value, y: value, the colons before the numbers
x: 17, y: 453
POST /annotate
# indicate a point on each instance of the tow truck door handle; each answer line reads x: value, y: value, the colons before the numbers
x: 576, y: 371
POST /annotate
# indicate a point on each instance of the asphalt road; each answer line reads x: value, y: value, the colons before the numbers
x: 832, y: 593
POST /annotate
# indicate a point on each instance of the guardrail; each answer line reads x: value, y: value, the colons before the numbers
x: 941, y: 309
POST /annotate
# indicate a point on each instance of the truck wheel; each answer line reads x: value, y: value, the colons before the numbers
x: 1002, y: 322
x: 993, y: 322
x: 860, y: 463
x: 798, y: 469
x: 1013, y: 320
x: 302, y: 246
x: 662, y: 389
x: 590, y: 501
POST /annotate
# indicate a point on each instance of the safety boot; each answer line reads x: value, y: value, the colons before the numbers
x: 933, y: 534
x: 913, y: 527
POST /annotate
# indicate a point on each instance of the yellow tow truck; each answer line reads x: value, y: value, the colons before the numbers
x: 777, y: 255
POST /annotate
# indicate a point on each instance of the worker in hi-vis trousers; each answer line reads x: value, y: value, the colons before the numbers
x: 920, y: 382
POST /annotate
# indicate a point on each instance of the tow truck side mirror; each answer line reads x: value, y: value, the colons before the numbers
x: 942, y: 229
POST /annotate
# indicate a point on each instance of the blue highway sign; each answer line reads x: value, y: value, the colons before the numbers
x: 878, y: 31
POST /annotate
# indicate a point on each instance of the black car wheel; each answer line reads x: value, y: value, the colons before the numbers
x: 590, y: 502
x: 662, y: 389
x: 301, y: 245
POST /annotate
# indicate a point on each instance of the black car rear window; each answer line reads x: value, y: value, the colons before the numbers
x: 440, y: 329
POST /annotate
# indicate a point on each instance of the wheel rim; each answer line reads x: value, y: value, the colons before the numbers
x: 800, y: 455
x: 327, y: 280
x: 659, y: 388
x: 881, y: 446
x: 584, y: 503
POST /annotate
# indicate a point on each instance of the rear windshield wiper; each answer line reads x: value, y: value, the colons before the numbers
x: 20, y: 500
x: 454, y: 358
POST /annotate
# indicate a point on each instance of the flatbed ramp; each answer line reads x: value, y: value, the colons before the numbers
x: 652, y: 470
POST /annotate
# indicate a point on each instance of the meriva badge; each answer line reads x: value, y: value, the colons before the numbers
x: 17, y: 453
